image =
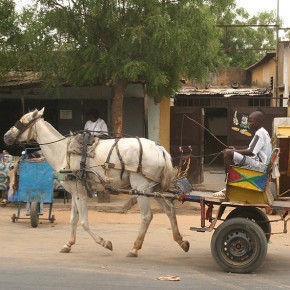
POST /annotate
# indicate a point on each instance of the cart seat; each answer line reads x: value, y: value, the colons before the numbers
x: 272, y: 160
x: 250, y: 186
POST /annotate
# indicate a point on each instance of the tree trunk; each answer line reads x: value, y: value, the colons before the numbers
x: 116, y: 123
x: 117, y: 107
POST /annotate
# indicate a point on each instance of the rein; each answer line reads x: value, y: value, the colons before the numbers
x: 19, y: 123
x: 207, y: 130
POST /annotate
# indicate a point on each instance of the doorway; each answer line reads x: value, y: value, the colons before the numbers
x: 215, y: 120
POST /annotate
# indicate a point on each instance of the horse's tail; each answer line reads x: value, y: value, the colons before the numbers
x: 169, y: 172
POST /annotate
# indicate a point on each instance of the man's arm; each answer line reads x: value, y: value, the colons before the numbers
x: 246, y: 152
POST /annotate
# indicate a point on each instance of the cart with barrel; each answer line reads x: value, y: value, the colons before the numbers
x: 33, y: 189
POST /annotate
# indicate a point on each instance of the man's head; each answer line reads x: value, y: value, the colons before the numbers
x: 256, y: 120
x: 93, y: 115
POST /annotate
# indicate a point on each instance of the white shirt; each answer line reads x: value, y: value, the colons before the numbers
x: 261, y: 145
x: 99, y: 125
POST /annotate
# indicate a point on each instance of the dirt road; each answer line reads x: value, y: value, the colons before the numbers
x: 36, y: 250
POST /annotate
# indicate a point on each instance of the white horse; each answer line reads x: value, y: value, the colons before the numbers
x: 156, y: 169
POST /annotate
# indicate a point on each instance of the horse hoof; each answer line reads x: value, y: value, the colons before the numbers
x: 65, y: 249
x: 132, y: 255
x: 185, y: 246
x: 108, y: 245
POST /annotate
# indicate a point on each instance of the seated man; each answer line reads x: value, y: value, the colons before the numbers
x: 256, y: 155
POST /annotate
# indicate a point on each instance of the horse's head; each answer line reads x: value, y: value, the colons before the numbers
x: 22, y: 129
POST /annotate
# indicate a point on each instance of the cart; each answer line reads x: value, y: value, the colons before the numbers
x: 35, y: 188
x: 240, y: 240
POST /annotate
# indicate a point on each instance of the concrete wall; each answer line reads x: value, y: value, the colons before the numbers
x: 153, y: 120
x: 165, y: 123
x: 262, y: 74
x: 228, y: 76
x: 223, y: 77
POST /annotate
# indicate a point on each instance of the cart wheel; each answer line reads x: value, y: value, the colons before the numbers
x: 14, y: 218
x: 239, y: 245
x: 253, y: 214
x: 52, y: 219
x: 34, y: 214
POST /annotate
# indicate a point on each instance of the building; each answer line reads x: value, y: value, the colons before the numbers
x: 263, y: 74
x: 210, y: 116
x: 66, y: 107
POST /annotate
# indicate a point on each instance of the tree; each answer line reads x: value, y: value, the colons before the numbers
x: 89, y: 42
x: 8, y: 35
x: 244, y: 45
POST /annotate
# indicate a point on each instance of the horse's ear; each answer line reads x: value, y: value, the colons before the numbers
x: 37, y: 113
x: 40, y: 113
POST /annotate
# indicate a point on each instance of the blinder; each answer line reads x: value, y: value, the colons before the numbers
x: 21, y: 127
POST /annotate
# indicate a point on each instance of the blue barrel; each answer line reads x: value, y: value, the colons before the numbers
x: 35, y: 182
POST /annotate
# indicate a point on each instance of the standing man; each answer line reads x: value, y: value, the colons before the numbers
x: 95, y: 124
x: 256, y: 155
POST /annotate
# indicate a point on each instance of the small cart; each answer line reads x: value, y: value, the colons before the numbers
x: 35, y: 188
x: 240, y: 239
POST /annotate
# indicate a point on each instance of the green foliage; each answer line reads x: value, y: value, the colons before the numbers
x: 89, y: 42
x: 92, y: 41
x: 8, y: 35
x: 244, y: 46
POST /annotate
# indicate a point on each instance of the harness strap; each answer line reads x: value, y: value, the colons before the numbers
x: 120, y: 158
x: 22, y: 127
x: 108, y: 164
x: 82, y: 172
x: 139, y: 169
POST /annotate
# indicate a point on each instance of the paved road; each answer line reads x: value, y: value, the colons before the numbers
x: 30, y: 257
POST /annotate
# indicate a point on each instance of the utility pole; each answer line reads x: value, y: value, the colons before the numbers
x: 276, y: 89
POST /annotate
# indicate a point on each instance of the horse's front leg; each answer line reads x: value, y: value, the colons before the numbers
x: 82, y: 206
x: 146, y: 217
x: 74, y: 217
x: 169, y: 209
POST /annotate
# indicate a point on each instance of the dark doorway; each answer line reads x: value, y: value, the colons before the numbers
x: 215, y: 120
x: 186, y: 130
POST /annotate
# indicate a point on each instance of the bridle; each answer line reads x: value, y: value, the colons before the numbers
x: 22, y: 127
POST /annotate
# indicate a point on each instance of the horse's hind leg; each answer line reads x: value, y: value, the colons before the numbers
x: 169, y: 209
x: 146, y: 217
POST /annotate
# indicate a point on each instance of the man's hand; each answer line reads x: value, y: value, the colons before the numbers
x: 230, y: 148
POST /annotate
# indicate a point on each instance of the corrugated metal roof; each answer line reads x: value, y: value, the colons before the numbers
x: 226, y: 92
x: 21, y: 78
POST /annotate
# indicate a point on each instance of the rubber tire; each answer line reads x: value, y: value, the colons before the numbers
x: 250, y: 245
x: 34, y: 214
x: 14, y: 218
x: 254, y: 214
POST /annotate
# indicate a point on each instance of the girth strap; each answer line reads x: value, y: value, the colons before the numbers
x: 107, y: 163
